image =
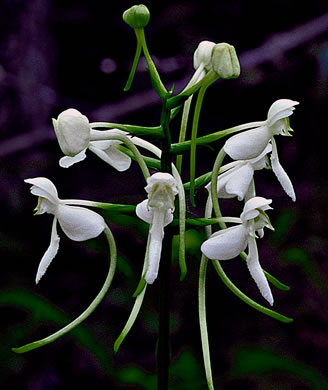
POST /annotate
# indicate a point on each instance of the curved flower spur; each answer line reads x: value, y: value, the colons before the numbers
x: 79, y: 224
x: 228, y: 243
x: 157, y: 210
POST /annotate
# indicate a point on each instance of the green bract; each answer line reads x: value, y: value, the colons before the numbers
x: 225, y: 61
x: 137, y: 16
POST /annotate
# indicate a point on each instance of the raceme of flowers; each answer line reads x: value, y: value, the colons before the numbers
x: 252, y: 147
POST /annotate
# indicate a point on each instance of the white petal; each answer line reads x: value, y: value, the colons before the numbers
x: 260, y: 162
x: 146, y: 213
x: 256, y: 271
x: 281, y: 173
x: 67, y: 161
x: 43, y: 187
x: 203, y: 54
x: 251, y: 207
x: 249, y: 144
x: 112, y: 156
x: 50, y: 252
x: 281, y: 108
x: 143, y: 212
x: 239, y: 182
x: 225, y: 244
x: 79, y: 223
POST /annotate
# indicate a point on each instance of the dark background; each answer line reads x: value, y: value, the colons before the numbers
x: 56, y: 55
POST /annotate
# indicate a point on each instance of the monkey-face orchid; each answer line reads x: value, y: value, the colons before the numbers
x: 228, y: 243
x: 73, y: 133
x: 251, y: 143
x: 157, y: 211
x: 78, y: 223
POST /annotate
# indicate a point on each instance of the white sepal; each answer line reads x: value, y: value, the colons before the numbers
x: 108, y: 152
x: 251, y: 207
x: 282, y: 108
x: 43, y: 187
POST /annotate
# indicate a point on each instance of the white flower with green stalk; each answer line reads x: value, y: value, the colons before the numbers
x: 228, y: 243
x: 157, y: 210
x: 79, y: 224
x: 251, y: 143
x: 73, y: 133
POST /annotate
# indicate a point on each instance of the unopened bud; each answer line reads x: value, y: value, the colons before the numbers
x: 225, y: 61
x: 137, y: 16
x: 203, y: 55
x: 73, y: 131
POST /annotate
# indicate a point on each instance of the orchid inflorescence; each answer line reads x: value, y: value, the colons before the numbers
x: 118, y: 145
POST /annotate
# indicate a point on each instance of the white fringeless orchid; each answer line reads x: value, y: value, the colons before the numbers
x: 228, y: 243
x: 251, y: 143
x: 73, y: 133
x: 78, y: 223
x: 236, y: 180
x: 157, y: 210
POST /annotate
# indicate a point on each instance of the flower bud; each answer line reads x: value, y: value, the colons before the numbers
x: 225, y: 61
x: 73, y: 132
x: 203, y: 55
x: 137, y: 16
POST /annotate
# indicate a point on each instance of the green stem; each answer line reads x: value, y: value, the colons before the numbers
x: 134, y: 66
x: 151, y: 131
x: 193, y: 145
x: 183, y: 130
x: 214, y: 194
x: 192, y: 87
x: 163, y: 349
x: 203, y: 322
x: 89, y: 310
x: 207, y: 139
x: 155, y: 78
x: 245, y: 298
x: 139, y: 297
x: 110, y: 207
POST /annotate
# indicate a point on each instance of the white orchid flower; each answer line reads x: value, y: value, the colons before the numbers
x: 157, y: 210
x: 78, y: 223
x: 251, y: 143
x: 229, y: 243
x: 236, y: 181
x: 73, y: 133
